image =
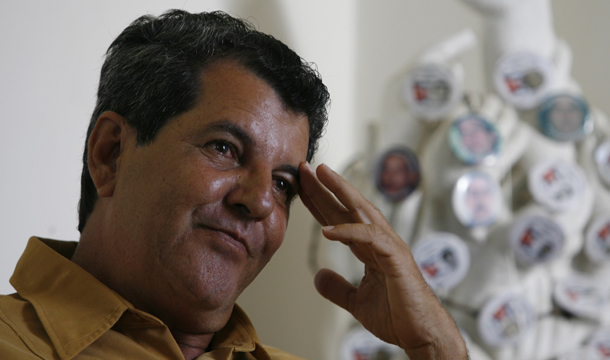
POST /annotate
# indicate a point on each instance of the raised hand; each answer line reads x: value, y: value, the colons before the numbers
x: 393, y: 300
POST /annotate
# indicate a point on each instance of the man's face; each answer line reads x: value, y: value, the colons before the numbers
x: 395, y: 174
x: 475, y: 137
x: 202, y: 209
x: 479, y: 199
x: 566, y: 116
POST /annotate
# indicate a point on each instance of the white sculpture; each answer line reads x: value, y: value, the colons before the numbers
x: 547, y: 245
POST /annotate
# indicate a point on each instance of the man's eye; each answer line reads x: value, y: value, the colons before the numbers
x: 223, y: 148
x: 284, y: 186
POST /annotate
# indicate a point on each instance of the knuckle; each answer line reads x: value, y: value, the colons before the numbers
x: 375, y: 231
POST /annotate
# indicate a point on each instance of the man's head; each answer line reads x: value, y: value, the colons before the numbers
x: 152, y: 74
x: 397, y: 173
x: 477, y: 136
x: 192, y: 161
x: 480, y: 200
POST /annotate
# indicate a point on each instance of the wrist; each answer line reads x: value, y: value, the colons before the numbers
x: 453, y: 348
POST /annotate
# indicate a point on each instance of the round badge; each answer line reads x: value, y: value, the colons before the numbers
x: 505, y: 320
x: 599, y: 345
x: 556, y: 184
x: 565, y: 117
x: 523, y: 79
x: 536, y: 239
x: 432, y: 90
x: 474, y: 140
x: 597, y: 239
x: 443, y: 259
x: 602, y: 161
x: 581, y: 296
x: 397, y: 173
x: 359, y: 344
x: 476, y: 199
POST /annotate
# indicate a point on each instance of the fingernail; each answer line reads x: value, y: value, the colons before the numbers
x: 329, y: 168
x: 328, y: 228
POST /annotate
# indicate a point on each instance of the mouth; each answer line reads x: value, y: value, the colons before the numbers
x: 232, y: 237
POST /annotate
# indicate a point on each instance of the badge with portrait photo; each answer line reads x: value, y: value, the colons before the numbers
x: 536, y: 239
x: 505, y: 320
x: 476, y: 199
x: 581, y: 296
x: 602, y: 161
x: 360, y: 344
x: 597, y: 239
x: 598, y: 347
x: 432, y: 90
x: 557, y: 184
x: 397, y: 173
x: 565, y: 117
x: 474, y: 140
x: 443, y: 259
x: 523, y: 79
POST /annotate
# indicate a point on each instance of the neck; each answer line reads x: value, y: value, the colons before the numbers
x: 192, y: 345
x: 92, y: 254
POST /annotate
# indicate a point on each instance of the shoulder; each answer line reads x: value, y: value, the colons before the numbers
x: 276, y: 354
x: 20, y: 330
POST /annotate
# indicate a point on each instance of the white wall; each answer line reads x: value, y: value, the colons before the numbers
x: 51, y: 52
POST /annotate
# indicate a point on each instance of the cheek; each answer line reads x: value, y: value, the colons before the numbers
x: 205, y: 185
x: 275, y: 228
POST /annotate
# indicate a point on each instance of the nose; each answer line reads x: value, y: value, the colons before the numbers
x: 252, y: 195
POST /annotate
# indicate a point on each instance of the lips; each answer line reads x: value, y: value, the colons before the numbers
x: 234, y: 235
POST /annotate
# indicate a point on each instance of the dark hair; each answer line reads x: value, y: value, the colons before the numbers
x: 153, y: 68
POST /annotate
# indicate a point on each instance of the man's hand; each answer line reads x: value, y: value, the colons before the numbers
x: 393, y: 300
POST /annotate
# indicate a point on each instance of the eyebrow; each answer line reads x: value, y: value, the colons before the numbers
x: 227, y: 126
x: 292, y: 171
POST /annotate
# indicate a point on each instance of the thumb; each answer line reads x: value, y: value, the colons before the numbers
x: 335, y: 288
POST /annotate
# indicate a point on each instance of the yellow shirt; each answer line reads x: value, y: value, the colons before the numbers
x: 60, y: 311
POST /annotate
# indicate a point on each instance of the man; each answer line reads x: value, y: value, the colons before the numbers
x: 398, y: 174
x: 477, y: 136
x: 197, y: 146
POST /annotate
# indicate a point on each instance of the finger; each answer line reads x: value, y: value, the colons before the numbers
x: 335, y: 288
x: 365, y: 234
x: 357, y: 205
x: 375, y: 247
x: 312, y: 208
x: 320, y: 198
x: 365, y: 255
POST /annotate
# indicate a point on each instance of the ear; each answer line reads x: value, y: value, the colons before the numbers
x: 106, y: 145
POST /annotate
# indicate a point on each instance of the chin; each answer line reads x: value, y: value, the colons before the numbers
x: 198, y: 323
x: 206, y: 314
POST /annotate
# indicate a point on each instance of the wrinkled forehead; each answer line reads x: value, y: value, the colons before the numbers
x: 235, y: 61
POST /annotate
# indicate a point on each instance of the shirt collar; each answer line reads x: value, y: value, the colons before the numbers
x: 72, y: 305
x: 75, y: 308
x: 238, y: 333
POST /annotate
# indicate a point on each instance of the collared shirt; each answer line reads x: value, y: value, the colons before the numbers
x: 60, y: 311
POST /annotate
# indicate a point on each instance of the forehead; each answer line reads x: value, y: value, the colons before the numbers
x: 395, y: 159
x: 472, y: 123
x: 478, y: 183
x: 232, y: 94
